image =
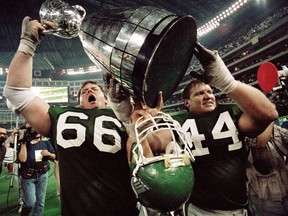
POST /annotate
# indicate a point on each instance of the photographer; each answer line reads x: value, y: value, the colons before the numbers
x: 3, y: 136
x: 10, y: 156
x: 33, y: 156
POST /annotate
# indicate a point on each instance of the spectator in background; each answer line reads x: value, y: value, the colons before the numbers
x: 285, y: 124
x: 10, y: 156
x: 56, y: 170
x: 267, y: 172
x: 33, y: 156
x: 3, y: 137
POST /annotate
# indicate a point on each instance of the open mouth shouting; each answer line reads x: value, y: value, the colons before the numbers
x: 91, y: 99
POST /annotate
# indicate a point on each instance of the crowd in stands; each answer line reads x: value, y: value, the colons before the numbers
x: 279, y: 97
x: 244, y: 37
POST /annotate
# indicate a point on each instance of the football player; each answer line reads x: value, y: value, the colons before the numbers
x: 90, y: 140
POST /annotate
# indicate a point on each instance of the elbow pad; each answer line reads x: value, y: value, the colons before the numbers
x: 18, y: 98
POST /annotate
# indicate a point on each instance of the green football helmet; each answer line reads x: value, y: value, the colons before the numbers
x: 165, y: 182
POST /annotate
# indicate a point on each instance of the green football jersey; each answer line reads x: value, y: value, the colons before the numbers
x: 220, y: 157
x: 94, y: 171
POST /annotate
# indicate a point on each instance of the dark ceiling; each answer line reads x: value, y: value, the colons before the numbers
x: 57, y: 53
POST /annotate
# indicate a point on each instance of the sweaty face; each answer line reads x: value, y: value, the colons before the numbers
x: 201, y: 100
x: 91, y: 96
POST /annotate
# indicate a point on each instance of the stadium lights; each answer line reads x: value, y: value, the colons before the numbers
x: 215, y: 22
x: 91, y: 69
x: 3, y: 71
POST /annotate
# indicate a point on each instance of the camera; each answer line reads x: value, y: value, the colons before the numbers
x: 29, y: 133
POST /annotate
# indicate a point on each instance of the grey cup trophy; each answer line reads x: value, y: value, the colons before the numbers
x: 146, y: 49
x: 67, y: 18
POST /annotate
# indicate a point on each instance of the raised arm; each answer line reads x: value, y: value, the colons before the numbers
x: 259, y: 112
x: 19, y: 81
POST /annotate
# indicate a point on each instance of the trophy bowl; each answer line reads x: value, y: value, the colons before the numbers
x: 146, y: 49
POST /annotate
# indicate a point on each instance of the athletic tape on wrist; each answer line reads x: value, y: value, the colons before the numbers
x: 122, y: 109
x: 27, y: 46
x: 130, y: 128
x: 19, y: 98
x: 221, y: 76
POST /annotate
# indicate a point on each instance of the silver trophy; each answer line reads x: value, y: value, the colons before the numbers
x: 146, y: 49
x: 67, y: 18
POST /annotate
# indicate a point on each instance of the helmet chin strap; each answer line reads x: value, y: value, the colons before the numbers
x: 139, y: 160
x: 173, y: 148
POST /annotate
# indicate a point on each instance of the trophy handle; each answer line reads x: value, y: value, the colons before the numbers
x: 81, y: 10
x: 51, y: 31
x: 67, y: 18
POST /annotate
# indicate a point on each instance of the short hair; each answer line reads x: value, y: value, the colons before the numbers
x: 87, y: 82
x: 2, y: 130
x: 189, y: 86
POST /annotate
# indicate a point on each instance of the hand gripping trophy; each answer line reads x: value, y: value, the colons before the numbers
x: 142, y: 48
